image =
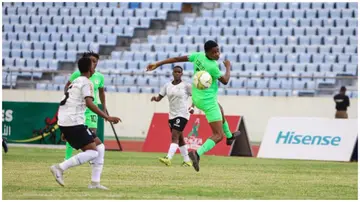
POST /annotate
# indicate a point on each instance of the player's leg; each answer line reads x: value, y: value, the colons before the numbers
x: 184, y: 151
x: 91, y: 122
x: 68, y: 151
x: 214, y: 118
x: 79, y: 137
x: 230, y: 137
x: 174, y: 143
x: 97, y: 165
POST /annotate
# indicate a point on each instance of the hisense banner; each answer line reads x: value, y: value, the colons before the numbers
x: 309, y: 138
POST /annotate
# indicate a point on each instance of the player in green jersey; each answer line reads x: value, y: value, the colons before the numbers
x: 206, y: 100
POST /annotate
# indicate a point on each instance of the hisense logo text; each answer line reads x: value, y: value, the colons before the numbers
x: 291, y: 137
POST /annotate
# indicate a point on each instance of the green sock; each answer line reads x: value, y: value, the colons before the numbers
x: 207, y: 146
x: 68, y: 151
x: 226, y: 129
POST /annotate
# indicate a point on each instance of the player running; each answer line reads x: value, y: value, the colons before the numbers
x: 206, y: 100
x: 178, y: 93
x: 71, y: 120
x: 97, y: 80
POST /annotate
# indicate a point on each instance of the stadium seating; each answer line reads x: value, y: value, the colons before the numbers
x: 51, y: 31
x: 258, y: 38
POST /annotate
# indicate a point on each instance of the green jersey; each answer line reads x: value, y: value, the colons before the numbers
x: 202, y: 63
x: 97, y: 79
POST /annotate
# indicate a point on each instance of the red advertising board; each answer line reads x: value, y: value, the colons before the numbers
x: 196, y: 132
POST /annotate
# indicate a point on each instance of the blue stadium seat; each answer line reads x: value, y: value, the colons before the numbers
x: 71, y: 46
x: 55, y: 37
x: 24, y: 19
x: 60, y: 55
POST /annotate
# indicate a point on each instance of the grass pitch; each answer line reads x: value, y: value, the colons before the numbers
x: 26, y: 175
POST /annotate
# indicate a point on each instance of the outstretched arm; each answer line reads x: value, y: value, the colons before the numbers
x: 167, y: 61
x: 157, y: 98
x: 95, y: 109
x: 226, y: 77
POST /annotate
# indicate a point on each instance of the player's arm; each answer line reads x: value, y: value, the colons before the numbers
x: 151, y: 67
x: 347, y: 101
x: 191, y: 108
x: 226, y: 77
x: 102, y: 94
x: 87, y: 92
x: 73, y: 76
x: 162, y: 94
x: 157, y: 98
x: 67, y: 86
x: 96, y: 110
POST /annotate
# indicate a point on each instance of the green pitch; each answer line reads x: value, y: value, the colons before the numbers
x: 26, y: 175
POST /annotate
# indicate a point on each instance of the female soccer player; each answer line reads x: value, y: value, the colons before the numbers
x: 206, y: 100
x: 178, y: 93
x: 71, y: 121
x: 97, y: 80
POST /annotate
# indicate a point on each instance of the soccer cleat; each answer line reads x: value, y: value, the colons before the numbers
x: 229, y: 141
x: 58, y: 174
x: 97, y: 186
x: 195, y: 160
x: 186, y: 164
x: 165, y: 161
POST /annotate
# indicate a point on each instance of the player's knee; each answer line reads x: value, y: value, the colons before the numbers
x: 92, y: 153
x: 181, y: 141
x: 217, y: 137
x: 175, y: 136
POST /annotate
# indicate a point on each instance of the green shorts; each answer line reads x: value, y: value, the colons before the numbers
x: 91, y: 119
x: 210, y: 108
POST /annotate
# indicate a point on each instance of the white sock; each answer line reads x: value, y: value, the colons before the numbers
x: 97, y: 164
x: 184, y: 153
x: 79, y: 159
x: 172, y: 150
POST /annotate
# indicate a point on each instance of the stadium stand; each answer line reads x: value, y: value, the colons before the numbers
x: 266, y: 43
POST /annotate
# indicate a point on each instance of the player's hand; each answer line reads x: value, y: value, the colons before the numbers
x: 105, y: 111
x: 227, y: 64
x: 114, y: 120
x: 191, y: 110
x: 63, y: 137
x: 151, y: 67
x: 154, y: 99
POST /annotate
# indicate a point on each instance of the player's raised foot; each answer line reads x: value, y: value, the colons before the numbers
x: 186, y: 164
x: 229, y: 141
x: 97, y: 186
x: 165, y: 161
x: 195, y: 160
x: 58, y: 174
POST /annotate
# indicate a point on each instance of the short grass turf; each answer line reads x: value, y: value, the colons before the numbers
x: 132, y: 175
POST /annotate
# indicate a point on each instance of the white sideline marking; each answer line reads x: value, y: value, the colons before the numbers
x: 44, y: 146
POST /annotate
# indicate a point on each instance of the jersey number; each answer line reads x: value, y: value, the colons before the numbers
x: 66, y: 96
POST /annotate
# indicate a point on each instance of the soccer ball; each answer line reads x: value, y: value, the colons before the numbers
x: 202, y: 80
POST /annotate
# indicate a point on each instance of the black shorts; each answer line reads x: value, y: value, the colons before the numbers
x: 178, y: 123
x: 77, y: 136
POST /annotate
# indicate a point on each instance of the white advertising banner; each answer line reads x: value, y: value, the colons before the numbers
x: 309, y: 138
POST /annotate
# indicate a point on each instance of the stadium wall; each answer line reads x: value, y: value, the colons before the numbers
x: 136, y: 110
